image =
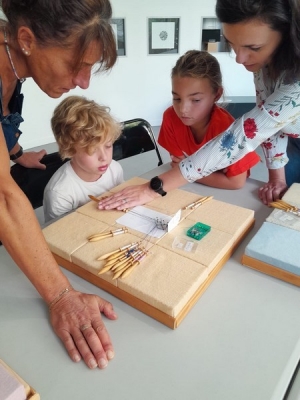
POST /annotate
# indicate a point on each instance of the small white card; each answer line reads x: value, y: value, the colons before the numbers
x: 150, y: 222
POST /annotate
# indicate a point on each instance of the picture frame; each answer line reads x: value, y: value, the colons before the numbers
x: 118, y: 27
x: 163, y: 35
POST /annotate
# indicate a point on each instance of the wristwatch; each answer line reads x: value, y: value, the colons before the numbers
x: 156, y: 184
x: 17, y: 155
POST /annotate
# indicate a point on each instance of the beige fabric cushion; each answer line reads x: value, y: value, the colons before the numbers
x: 224, y: 217
x: 292, y: 196
x: 86, y: 256
x: 174, y: 201
x: 90, y: 210
x: 164, y: 280
x: 168, y: 276
x: 71, y: 232
x: 208, y: 251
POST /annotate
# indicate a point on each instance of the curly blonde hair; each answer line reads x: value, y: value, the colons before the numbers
x: 79, y: 123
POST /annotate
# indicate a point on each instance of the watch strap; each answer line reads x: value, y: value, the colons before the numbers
x: 161, y: 192
x: 17, y: 155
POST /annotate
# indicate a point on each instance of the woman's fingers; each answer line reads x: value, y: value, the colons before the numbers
x: 129, y: 197
x: 272, y: 191
x: 77, y: 321
x: 90, y: 345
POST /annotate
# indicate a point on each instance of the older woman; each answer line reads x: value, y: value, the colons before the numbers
x: 56, y: 43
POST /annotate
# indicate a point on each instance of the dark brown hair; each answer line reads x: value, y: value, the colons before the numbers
x: 282, y: 16
x: 65, y: 23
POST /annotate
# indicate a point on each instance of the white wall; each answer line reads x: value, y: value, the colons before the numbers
x: 139, y: 85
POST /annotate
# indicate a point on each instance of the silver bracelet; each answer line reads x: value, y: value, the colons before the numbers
x: 59, y: 296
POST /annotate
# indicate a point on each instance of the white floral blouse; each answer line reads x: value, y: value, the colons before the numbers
x: 275, y: 117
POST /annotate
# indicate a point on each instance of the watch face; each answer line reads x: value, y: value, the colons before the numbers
x: 156, y: 184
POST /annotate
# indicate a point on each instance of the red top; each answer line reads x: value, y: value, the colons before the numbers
x: 178, y: 139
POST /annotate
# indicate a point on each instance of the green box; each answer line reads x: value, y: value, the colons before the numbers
x: 198, y: 231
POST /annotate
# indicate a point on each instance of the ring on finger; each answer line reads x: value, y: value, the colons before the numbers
x: 84, y: 327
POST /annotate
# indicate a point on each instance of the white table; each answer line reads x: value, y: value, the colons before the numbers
x: 239, y: 342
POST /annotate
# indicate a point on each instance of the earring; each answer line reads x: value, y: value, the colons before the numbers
x: 25, y: 51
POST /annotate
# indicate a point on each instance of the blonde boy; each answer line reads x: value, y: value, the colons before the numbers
x: 85, y: 133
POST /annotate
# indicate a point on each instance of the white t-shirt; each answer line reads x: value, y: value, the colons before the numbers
x: 66, y: 191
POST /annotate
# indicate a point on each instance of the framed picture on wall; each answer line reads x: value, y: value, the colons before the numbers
x: 118, y: 26
x: 163, y: 35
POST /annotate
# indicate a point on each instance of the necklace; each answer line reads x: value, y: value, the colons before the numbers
x: 10, y: 59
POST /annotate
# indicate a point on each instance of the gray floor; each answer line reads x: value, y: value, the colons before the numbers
x: 138, y: 166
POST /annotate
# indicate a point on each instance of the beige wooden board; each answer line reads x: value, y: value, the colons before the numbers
x: 168, y: 281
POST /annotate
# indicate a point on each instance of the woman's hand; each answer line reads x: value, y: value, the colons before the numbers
x: 272, y: 191
x: 128, y: 197
x: 76, y: 319
x: 275, y: 188
x: 31, y: 159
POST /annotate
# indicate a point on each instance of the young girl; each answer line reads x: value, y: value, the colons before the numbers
x: 85, y: 133
x: 194, y: 118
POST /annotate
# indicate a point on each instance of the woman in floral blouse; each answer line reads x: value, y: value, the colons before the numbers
x: 265, y: 36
